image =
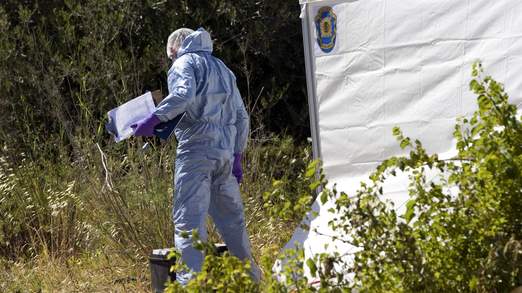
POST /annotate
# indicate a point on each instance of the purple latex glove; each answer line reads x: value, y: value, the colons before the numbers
x: 145, y: 127
x: 237, y: 169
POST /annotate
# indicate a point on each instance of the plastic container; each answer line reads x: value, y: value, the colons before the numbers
x: 220, y: 248
x: 160, y: 269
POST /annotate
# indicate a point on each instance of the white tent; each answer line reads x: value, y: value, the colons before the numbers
x: 375, y: 64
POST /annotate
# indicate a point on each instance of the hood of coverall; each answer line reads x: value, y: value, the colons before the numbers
x: 198, y: 41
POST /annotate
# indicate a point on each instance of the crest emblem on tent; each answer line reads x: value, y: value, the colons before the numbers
x: 326, y: 28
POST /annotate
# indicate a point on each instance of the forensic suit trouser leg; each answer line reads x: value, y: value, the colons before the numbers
x: 205, y: 186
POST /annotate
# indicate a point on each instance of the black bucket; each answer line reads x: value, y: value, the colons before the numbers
x: 160, y: 269
x: 220, y: 248
x: 160, y: 266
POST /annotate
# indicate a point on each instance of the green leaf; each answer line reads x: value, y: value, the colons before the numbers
x: 311, y: 265
x: 475, y: 86
x: 396, y: 131
x: 311, y: 169
x: 309, y: 173
x: 324, y: 197
x: 314, y: 185
x: 473, y: 283
x: 405, y: 143
x: 277, y: 183
x: 410, y: 207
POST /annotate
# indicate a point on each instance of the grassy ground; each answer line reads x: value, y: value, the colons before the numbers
x: 88, y: 225
x: 103, y: 271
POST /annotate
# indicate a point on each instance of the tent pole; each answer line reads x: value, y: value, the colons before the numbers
x: 310, y: 83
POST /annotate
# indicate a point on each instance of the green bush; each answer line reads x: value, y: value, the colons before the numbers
x: 460, y: 232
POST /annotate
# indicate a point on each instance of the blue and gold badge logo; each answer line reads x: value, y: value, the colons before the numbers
x: 326, y: 28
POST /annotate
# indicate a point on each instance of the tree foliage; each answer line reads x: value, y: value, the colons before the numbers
x: 65, y: 63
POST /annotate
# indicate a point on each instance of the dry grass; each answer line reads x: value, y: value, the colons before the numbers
x: 91, y: 225
x: 104, y: 271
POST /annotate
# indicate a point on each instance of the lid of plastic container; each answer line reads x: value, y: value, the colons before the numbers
x: 161, y: 252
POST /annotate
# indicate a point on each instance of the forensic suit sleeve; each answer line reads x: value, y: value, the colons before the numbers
x: 242, y: 123
x: 182, y: 90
